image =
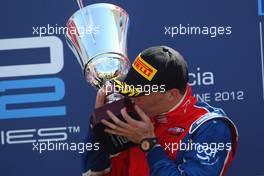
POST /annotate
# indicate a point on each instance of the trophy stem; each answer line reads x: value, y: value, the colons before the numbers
x: 113, y: 97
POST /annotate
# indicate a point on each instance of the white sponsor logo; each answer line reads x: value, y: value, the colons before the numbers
x: 33, y: 135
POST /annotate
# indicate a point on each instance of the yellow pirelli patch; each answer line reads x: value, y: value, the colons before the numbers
x: 144, y: 68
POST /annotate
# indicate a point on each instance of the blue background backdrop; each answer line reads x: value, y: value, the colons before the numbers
x: 234, y: 60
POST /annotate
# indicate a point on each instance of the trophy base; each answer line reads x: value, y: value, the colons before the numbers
x: 113, y: 144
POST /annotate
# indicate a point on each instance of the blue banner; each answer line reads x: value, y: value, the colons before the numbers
x: 44, y: 95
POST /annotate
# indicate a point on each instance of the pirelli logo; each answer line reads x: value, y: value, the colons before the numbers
x: 144, y: 68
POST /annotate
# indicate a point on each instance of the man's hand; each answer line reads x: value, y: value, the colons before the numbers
x: 133, y: 129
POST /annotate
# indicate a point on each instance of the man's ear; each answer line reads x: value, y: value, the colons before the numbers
x: 173, y: 94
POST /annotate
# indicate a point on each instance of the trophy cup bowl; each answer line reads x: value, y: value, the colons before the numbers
x: 97, y: 35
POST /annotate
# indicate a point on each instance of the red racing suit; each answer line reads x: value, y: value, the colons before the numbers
x: 195, y: 139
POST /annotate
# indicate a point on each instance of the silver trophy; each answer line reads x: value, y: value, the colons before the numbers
x: 97, y: 35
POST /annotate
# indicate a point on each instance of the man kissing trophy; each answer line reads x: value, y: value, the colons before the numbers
x: 97, y: 35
